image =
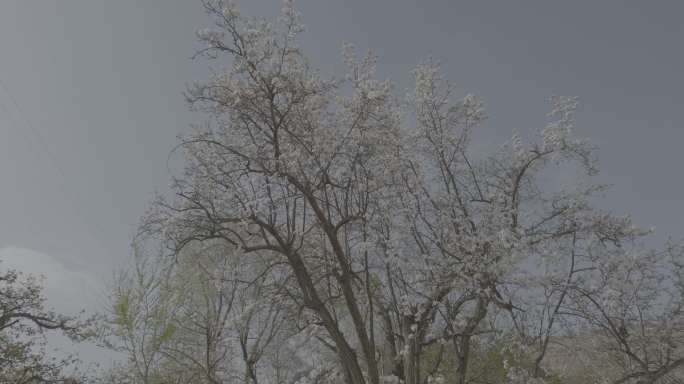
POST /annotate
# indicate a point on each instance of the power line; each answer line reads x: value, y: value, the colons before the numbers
x: 50, y: 157
x: 39, y: 138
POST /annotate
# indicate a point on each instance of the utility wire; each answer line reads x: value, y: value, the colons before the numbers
x: 39, y: 138
x: 50, y: 157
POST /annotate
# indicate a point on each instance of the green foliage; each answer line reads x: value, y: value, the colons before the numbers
x: 121, y: 310
x: 168, y: 333
x: 490, y: 362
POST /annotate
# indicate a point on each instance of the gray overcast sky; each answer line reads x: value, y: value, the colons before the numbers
x: 98, y: 86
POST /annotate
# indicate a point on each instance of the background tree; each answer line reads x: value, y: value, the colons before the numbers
x: 139, y: 320
x: 24, y: 321
x: 202, y: 317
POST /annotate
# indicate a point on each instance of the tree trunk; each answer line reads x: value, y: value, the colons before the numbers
x: 463, y: 359
x: 412, y: 355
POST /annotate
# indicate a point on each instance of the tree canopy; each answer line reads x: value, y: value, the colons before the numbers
x: 332, y: 230
x: 23, y: 323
